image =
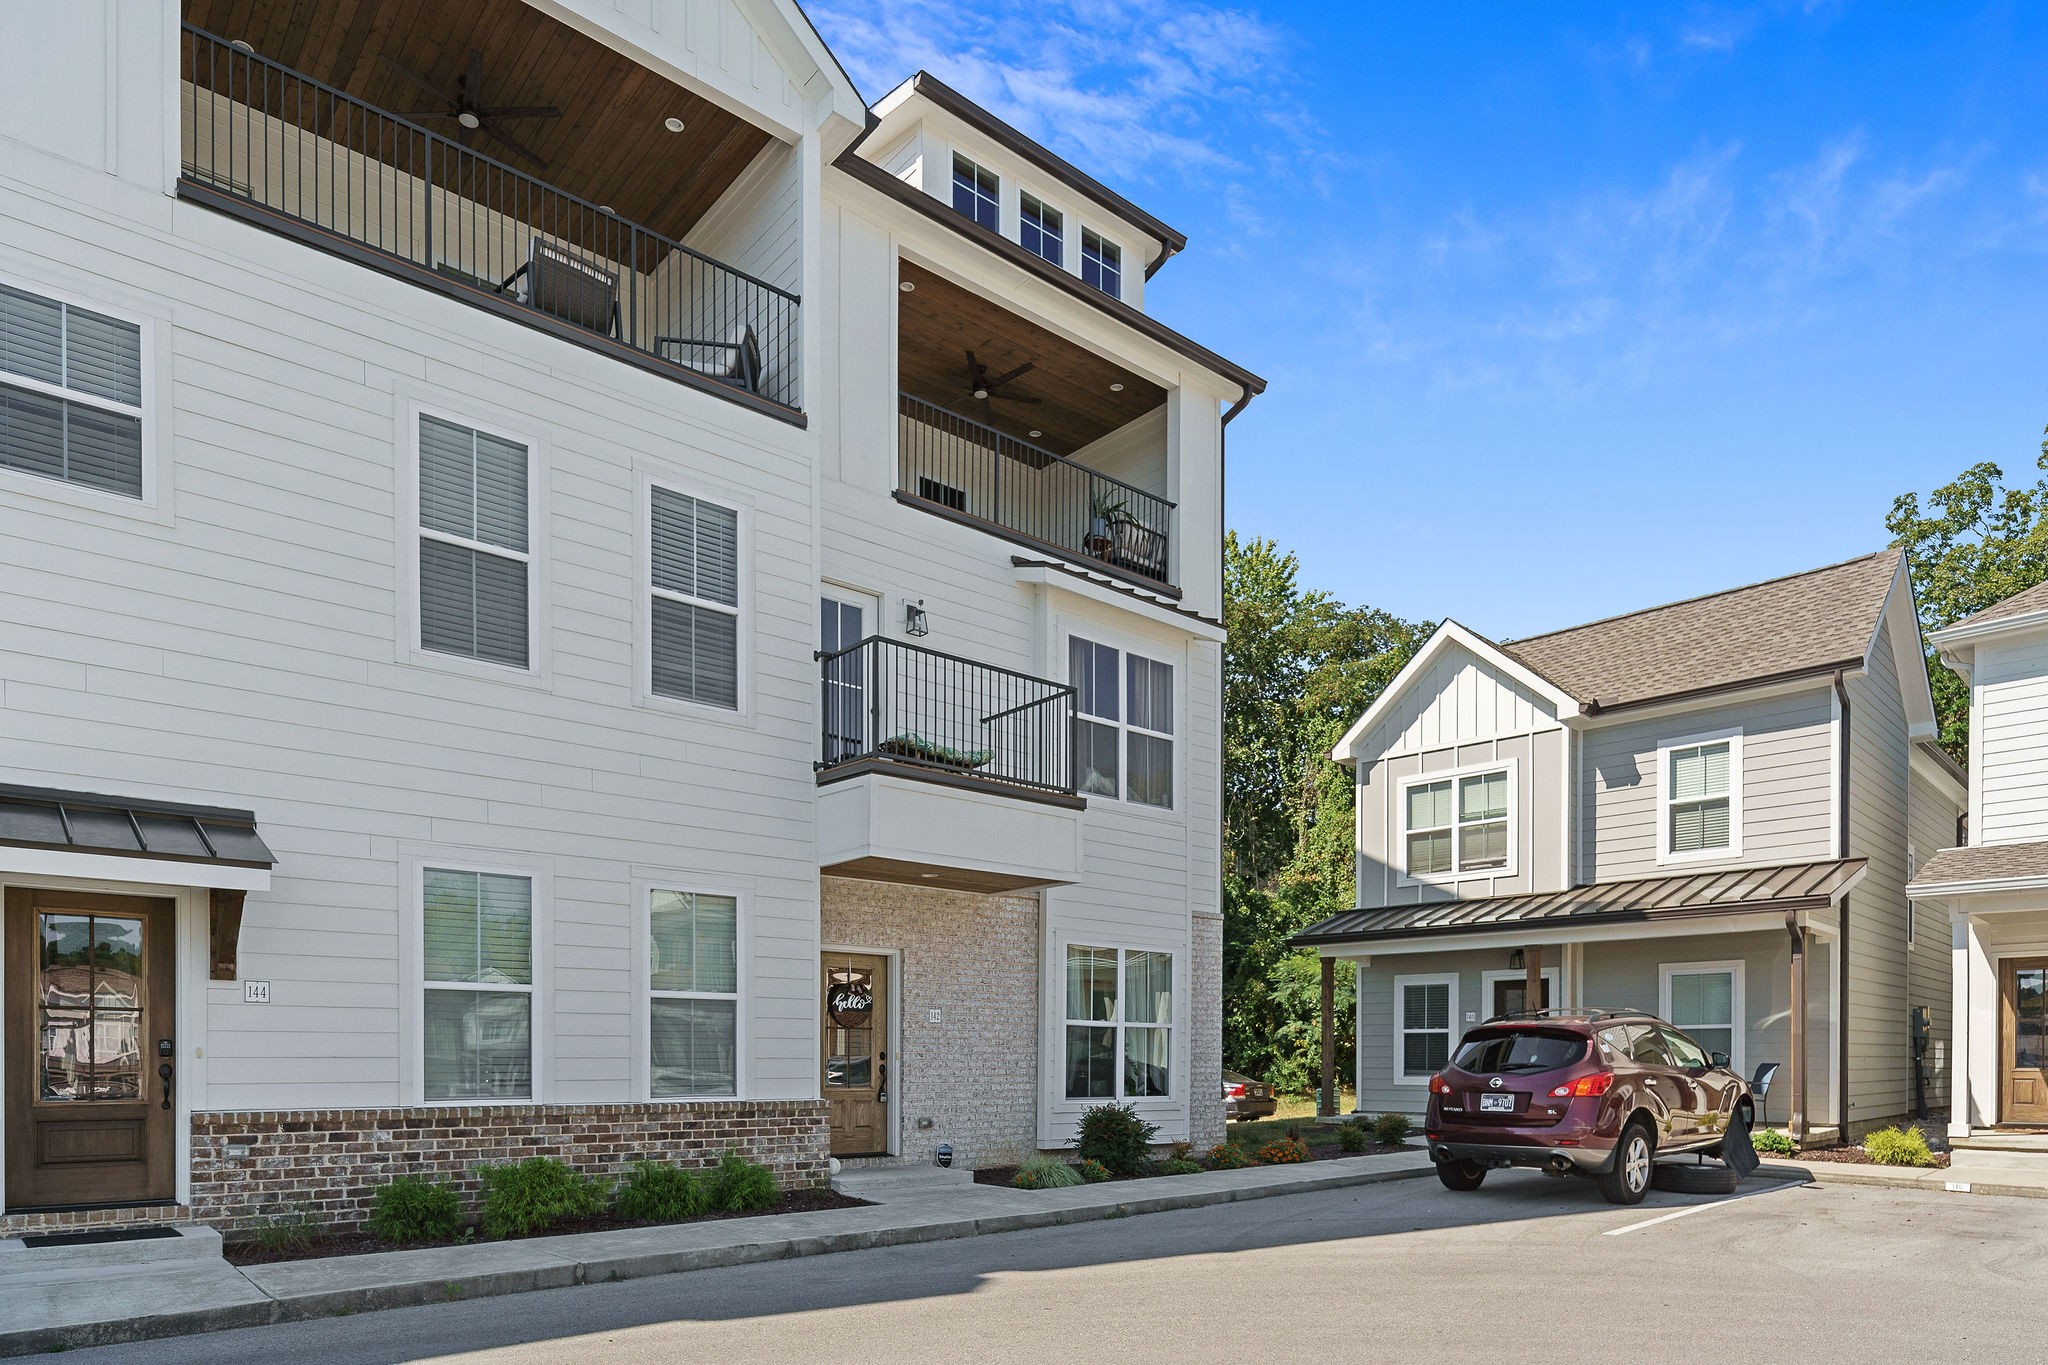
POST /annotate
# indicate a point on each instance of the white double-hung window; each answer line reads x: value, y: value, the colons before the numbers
x: 1124, y: 735
x: 1459, y: 823
x: 475, y: 557
x: 477, y: 957
x: 1119, y: 1023
x: 1425, y: 1011
x: 693, y: 994
x: 694, y: 614
x: 1704, y: 999
x: 1700, y: 797
x: 70, y: 394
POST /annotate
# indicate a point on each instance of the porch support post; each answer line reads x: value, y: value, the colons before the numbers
x: 1961, y: 931
x: 1326, y: 1104
x: 1532, y: 979
x: 1798, y: 936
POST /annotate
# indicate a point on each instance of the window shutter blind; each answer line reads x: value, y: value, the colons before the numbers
x: 103, y: 357
x: 1429, y: 805
x: 32, y: 433
x: 695, y: 552
x: 473, y: 485
x: 696, y: 548
x: 31, y: 336
x: 696, y: 653
x: 85, y: 352
x: 472, y: 603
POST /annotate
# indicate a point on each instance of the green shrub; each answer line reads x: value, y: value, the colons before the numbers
x: 292, y: 1230
x: 413, y: 1208
x: 654, y: 1193
x: 1094, y: 1172
x: 1773, y: 1143
x: 1392, y: 1129
x: 1285, y: 1152
x: 1180, y: 1151
x: 742, y: 1186
x: 1179, y: 1166
x: 1114, y: 1135
x: 1354, y: 1137
x: 1045, y: 1173
x: 1898, y: 1147
x: 1228, y: 1156
x: 535, y: 1194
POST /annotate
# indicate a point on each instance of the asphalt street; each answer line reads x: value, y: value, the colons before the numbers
x: 1528, y: 1267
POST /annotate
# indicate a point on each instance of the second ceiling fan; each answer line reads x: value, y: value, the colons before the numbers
x: 467, y: 108
x: 984, y: 387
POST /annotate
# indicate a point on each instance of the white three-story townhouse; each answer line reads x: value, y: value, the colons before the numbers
x: 567, y: 586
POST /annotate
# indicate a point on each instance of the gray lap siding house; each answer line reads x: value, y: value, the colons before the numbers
x: 1592, y: 727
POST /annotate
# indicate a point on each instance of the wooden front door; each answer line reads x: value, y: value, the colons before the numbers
x: 89, y: 1009
x: 2023, y: 1041
x: 855, y: 1020
x: 1511, y: 996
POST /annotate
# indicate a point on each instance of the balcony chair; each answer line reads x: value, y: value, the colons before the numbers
x: 1138, y: 548
x: 564, y: 285
x: 739, y: 366
x: 1760, y: 1087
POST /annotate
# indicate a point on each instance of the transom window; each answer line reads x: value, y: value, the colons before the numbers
x: 70, y: 394
x: 1124, y: 734
x: 1701, y: 811
x: 1040, y: 228
x: 1119, y: 1023
x: 478, y: 959
x: 977, y: 192
x: 474, y: 555
x: 1458, y: 824
x: 1102, y: 264
x: 1424, y: 1007
x: 695, y: 613
x: 693, y: 995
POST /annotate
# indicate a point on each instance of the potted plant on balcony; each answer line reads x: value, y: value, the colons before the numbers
x: 1107, y: 515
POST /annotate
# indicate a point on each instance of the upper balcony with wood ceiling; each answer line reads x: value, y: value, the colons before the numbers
x: 491, y: 153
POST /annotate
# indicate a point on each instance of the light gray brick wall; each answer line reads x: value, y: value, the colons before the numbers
x: 974, y: 959
x: 1205, y: 1018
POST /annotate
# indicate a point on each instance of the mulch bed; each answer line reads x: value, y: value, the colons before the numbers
x: 1852, y: 1156
x: 1317, y: 1151
x: 250, y: 1252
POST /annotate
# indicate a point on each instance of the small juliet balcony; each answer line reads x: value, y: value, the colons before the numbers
x: 316, y: 160
x: 939, y: 771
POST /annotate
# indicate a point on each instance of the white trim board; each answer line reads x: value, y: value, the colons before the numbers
x: 1450, y: 635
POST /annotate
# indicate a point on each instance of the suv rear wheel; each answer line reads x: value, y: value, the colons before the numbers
x: 1629, y: 1180
x: 1461, y: 1175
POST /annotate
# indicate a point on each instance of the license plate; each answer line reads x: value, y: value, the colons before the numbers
x: 1496, y: 1104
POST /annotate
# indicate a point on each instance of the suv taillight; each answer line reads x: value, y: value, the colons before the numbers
x: 1593, y: 1084
x: 1439, y: 1086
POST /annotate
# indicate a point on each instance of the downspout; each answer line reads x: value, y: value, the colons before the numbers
x: 1327, y: 1082
x: 1842, y: 932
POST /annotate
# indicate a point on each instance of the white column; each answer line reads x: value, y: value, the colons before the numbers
x: 1961, y: 931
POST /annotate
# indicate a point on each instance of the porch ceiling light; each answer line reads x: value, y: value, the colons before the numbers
x: 981, y: 393
x: 673, y: 124
x: 1036, y: 434
x: 1116, y: 388
x: 469, y: 120
x: 907, y: 286
x: 242, y: 45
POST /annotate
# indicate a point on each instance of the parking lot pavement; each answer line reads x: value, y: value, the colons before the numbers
x: 1406, y: 1271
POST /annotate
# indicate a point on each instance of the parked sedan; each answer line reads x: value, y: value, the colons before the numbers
x: 1594, y: 1093
x: 1245, y: 1098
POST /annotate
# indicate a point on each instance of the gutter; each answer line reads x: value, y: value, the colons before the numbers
x: 1842, y: 931
x: 1543, y: 930
x: 1600, y: 706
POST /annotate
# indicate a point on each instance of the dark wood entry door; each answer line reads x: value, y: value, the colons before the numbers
x: 1508, y: 996
x: 855, y: 1020
x: 2023, y: 1041
x: 89, y: 1005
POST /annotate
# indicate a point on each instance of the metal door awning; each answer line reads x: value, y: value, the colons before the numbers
x: 47, y: 832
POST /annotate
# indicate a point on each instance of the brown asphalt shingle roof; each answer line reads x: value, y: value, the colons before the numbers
x: 1807, y: 621
x: 2019, y: 604
x: 1990, y: 862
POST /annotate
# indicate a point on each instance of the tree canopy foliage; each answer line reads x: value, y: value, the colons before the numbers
x: 1977, y: 541
x: 1299, y: 669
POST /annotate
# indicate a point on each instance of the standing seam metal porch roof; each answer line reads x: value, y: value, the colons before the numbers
x: 87, y: 822
x: 1736, y: 890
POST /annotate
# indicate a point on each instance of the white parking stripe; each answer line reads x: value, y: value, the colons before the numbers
x: 1694, y: 1208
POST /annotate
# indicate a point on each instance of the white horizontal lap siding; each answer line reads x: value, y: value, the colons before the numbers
x: 247, y: 650
x: 1880, y: 1039
x: 2012, y: 741
x: 756, y: 225
x: 1787, y: 784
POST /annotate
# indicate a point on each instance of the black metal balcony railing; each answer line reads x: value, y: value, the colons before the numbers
x: 258, y: 132
x: 886, y: 699
x: 966, y: 467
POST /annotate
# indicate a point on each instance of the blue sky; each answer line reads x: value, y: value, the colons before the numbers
x: 1566, y: 309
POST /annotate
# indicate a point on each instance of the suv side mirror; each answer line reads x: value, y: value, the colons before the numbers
x: 1717, y: 1058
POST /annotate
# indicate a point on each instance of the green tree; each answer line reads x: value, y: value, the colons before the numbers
x: 1976, y: 542
x: 1299, y: 669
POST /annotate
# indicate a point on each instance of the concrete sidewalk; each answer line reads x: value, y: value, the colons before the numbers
x: 128, y: 1291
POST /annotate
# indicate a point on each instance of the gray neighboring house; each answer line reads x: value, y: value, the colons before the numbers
x: 1702, y: 809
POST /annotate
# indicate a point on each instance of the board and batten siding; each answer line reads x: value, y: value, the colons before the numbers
x: 1787, y: 784
x: 2010, y: 743
x: 242, y: 644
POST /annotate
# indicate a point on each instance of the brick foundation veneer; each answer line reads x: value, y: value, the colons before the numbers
x: 329, y: 1162
x: 90, y: 1220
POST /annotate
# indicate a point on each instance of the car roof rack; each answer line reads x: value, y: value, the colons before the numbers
x: 1589, y: 1013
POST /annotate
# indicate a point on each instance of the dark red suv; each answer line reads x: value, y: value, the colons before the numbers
x: 1597, y: 1093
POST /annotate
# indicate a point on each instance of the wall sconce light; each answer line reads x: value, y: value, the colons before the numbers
x: 1516, y: 962
x: 915, y: 621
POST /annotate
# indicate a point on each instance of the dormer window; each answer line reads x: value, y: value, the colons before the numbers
x: 1041, y: 229
x: 1102, y: 263
x: 977, y: 192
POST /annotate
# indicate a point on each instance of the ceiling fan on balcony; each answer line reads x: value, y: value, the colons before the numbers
x: 983, y: 387
x: 467, y: 108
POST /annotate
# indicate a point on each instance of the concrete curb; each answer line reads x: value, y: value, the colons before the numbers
x: 1940, y: 1181
x: 557, y: 1262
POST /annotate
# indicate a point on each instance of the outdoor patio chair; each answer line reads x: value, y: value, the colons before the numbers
x: 564, y: 285
x: 736, y: 360
x: 1760, y: 1086
x: 1139, y: 549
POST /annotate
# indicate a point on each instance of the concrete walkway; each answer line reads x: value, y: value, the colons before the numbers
x: 127, y: 1291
